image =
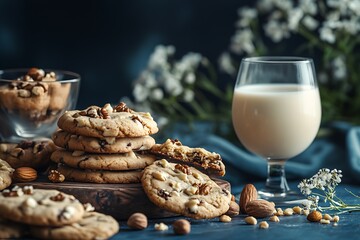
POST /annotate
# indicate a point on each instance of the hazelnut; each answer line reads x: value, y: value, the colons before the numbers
x: 182, y: 227
x: 137, y: 221
x: 314, y: 216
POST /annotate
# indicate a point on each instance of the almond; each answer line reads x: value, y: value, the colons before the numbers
x: 314, y: 216
x: 24, y: 174
x: 249, y: 193
x: 260, y: 208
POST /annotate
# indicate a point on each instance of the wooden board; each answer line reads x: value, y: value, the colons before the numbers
x: 117, y: 200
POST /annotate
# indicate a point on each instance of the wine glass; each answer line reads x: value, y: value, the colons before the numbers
x: 276, y: 113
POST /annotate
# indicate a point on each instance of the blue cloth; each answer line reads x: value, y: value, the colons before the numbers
x: 339, y: 148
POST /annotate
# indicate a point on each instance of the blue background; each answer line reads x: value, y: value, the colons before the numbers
x: 108, y: 42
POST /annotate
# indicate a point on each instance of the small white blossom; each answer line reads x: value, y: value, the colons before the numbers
x: 265, y: 5
x: 276, y: 31
x: 246, y: 15
x: 159, y: 58
x: 339, y: 68
x: 309, y: 7
x: 188, y: 62
x: 305, y: 188
x: 225, y: 64
x: 242, y: 42
x: 190, y: 78
x: 172, y: 85
x: 354, y: 6
x: 140, y: 92
x: 283, y: 4
x: 327, y: 35
x: 294, y: 17
x: 310, y: 22
x: 189, y: 95
x: 157, y: 94
x: 351, y: 26
x: 323, y: 77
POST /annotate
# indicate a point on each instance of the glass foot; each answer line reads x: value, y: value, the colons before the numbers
x: 284, y: 199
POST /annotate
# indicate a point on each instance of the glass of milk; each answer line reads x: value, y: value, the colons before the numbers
x: 276, y: 114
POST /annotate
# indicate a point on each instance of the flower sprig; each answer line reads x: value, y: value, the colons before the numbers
x: 184, y: 89
x: 322, y: 186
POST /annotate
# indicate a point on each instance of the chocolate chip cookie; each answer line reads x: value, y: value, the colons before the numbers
x: 39, y: 206
x: 34, y: 154
x: 5, y: 174
x: 102, y: 145
x: 100, y: 176
x: 116, y: 161
x: 107, y: 121
x: 173, y: 149
x: 184, y: 190
x: 93, y: 225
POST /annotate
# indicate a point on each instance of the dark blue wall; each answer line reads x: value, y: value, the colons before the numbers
x: 108, y: 42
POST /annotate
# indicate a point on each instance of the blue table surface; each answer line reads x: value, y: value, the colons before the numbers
x: 289, y: 227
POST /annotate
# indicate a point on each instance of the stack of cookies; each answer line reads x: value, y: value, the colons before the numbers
x: 104, y: 144
x: 50, y: 214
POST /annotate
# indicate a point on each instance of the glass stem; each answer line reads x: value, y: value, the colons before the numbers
x: 276, y: 180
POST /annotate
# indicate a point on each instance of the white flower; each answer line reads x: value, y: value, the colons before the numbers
x: 140, y: 92
x: 157, y: 94
x: 265, y: 5
x: 148, y: 79
x: 246, y: 16
x: 294, y: 17
x: 351, y: 26
x: 327, y: 35
x: 242, y: 42
x: 188, y: 95
x: 276, y: 30
x: 190, y: 78
x: 323, y: 77
x: 305, y: 188
x: 226, y: 64
x: 309, y: 6
x: 339, y: 68
x: 310, y: 22
x: 283, y: 4
x: 172, y: 85
x: 188, y: 62
x: 354, y: 6
x: 159, y: 58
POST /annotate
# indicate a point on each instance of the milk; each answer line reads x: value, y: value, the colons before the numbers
x: 276, y: 121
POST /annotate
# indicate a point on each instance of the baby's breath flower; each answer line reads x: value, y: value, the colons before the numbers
x: 225, y: 64
x: 322, y: 186
x: 310, y: 22
x: 327, y: 35
x: 276, y: 30
x: 175, y: 88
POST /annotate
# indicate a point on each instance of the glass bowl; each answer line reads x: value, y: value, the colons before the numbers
x: 32, y: 100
